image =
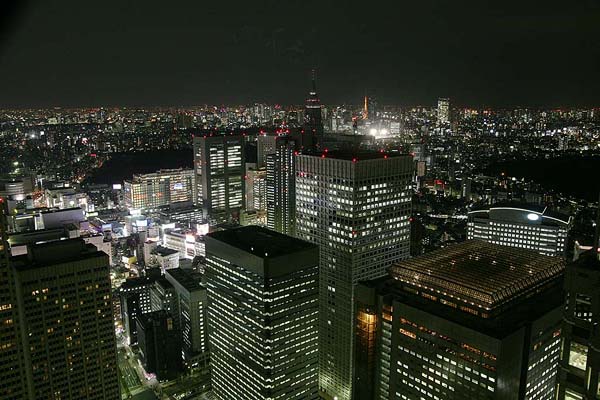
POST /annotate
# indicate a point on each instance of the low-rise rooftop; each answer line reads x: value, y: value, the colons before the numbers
x: 479, y: 274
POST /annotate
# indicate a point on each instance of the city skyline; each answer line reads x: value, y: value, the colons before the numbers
x: 300, y: 200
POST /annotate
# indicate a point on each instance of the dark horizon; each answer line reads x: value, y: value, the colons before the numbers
x: 514, y: 54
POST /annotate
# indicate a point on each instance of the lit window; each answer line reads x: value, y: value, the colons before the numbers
x: 578, y: 356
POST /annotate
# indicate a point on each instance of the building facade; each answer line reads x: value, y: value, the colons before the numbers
x: 191, y: 315
x: 266, y: 144
x: 579, y: 376
x: 356, y: 207
x: 64, y: 300
x: 159, y: 341
x: 263, y: 310
x: 281, y: 187
x: 159, y: 189
x: 219, y: 163
x: 12, y: 377
x: 256, y: 190
x: 524, y: 226
x: 134, y: 295
x: 471, y: 321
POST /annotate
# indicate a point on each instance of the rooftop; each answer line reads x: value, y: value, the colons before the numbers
x: 56, y: 252
x: 260, y: 241
x: 136, y: 282
x: 356, y: 155
x: 499, y: 325
x: 164, y: 251
x: 185, y: 279
x: 541, y: 210
x: 479, y: 273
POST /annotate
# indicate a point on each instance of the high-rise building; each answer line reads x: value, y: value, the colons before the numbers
x: 313, y: 119
x: 159, y: 341
x: 443, y: 112
x: 471, y: 321
x: 525, y: 226
x: 281, y: 187
x: 68, y: 337
x: 262, y: 315
x: 135, y: 299
x: 256, y: 188
x: 356, y: 207
x: 163, y: 295
x: 579, y: 374
x: 159, y: 189
x: 265, y: 146
x: 219, y: 162
x: 190, y: 313
x: 12, y: 377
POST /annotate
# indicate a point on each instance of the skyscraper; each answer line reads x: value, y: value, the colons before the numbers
x: 281, y: 187
x: 256, y: 199
x: 65, y: 308
x: 579, y: 374
x: 12, y: 379
x: 191, y: 315
x: 219, y: 164
x: 470, y: 321
x: 159, y: 341
x: 443, y: 112
x: 263, y: 311
x: 135, y: 298
x: 313, y: 120
x: 265, y: 146
x: 521, y: 225
x: 356, y: 207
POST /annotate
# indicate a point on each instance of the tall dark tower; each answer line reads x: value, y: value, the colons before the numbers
x: 313, y: 122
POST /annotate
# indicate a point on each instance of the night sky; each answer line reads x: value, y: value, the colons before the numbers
x: 479, y: 53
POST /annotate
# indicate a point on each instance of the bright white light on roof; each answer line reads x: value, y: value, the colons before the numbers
x: 533, y: 217
x: 373, y: 132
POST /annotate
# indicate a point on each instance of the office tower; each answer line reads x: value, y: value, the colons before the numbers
x: 159, y: 189
x: 443, y: 112
x: 262, y: 315
x: 470, y: 321
x: 163, y: 295
x: 68, y: 338
x: 265, y: 146
x: 281, y: 187
x: 12, y: 379
x: 313, y: 120
x: 159, y: 341
x: 256, y: 188
x: 356, y: 207
x: 190, y: 313
x: 134, y: 296
x: 521, y: 225
x: 579, y: 373
x: 219, y: 164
